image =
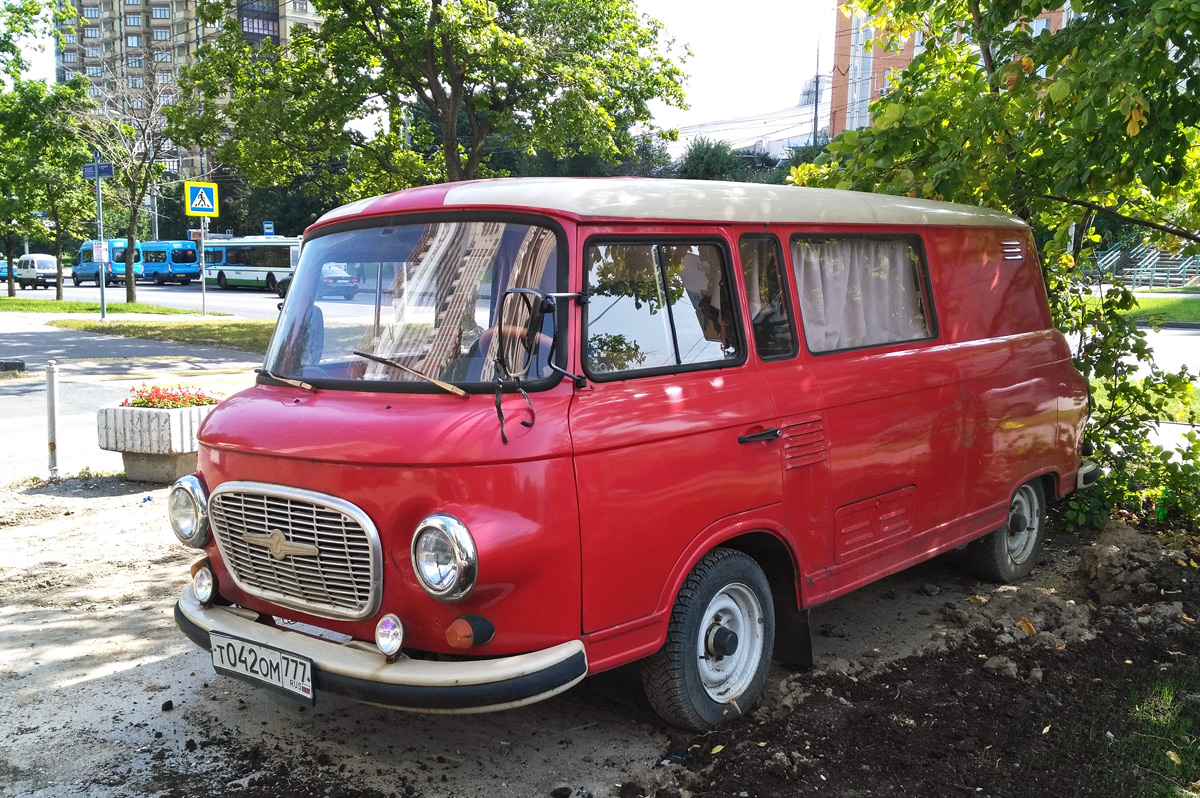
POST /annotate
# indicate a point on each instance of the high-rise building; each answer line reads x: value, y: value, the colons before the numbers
x: 131, y: 50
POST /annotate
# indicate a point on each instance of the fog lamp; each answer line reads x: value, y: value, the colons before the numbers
x: 389, y: 636
x: 203, y: 585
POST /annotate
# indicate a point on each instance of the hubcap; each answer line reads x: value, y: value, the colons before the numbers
x: 730, y: 645
x: 1023, y: 515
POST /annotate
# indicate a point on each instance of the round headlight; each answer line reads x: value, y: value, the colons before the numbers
x: 389, y: 635
x: 187, y: 509
x: 443, y: 557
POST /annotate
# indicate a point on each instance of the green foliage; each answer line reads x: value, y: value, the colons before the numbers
x: 614, y: 352
x: 1098, y: 119
x: 546, y: 76
x: 717, y: 160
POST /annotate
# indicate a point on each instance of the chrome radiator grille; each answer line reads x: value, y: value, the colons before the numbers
x: 297, y: 548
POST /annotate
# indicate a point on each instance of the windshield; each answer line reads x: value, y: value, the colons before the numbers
x: 424, y: 296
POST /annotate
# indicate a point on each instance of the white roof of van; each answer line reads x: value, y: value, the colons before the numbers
x: 699, y: 200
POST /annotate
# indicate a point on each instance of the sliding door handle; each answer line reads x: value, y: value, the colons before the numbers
x: 765, y: 435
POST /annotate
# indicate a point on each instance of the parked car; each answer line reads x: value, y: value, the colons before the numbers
x: 37, y: 271
x: 334, y: 280
x: 591, y: 422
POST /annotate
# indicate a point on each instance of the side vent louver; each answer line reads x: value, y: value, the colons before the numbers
x: 1012, y: 250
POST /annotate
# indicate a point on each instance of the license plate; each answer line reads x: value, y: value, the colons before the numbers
x: 259, y: 664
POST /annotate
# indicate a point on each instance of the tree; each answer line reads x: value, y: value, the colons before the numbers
x: 709, y: 160
x: 1099, y: 117
x: 41, y: 124
x: 128, y: 128
x: 547, y: 75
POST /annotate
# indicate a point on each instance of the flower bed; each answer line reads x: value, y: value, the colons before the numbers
x: 155, y: 431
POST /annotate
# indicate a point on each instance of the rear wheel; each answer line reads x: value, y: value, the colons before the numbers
x: 349, y: 294
x: 271, y: 283
x: 714, y: 662
x: 159, y: 279
x: 1009, y: 553
x: 186, y: 281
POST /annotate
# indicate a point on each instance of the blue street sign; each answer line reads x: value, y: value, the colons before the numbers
x: 268, y: 228
x: 89, y: 170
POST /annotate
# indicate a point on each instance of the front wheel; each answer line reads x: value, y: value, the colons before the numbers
x: 1009, y: 554
x: 271, y: 282
x: 76, y: 280
x: 714, y: 662
x: 221, y: 281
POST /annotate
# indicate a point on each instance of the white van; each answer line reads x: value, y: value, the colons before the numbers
x: 37, y: 270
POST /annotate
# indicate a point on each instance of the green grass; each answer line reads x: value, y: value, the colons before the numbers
x: 15, y: 305
x: 1160, y: 726
x: 1182, y: 309
x: 1184, y: 409
x: 1188, y: 289
x: 244, y: 334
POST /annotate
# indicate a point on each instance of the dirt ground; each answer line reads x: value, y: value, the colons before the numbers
x: 926, y: 684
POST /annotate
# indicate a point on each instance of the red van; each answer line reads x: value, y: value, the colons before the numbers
x: 570, y: 424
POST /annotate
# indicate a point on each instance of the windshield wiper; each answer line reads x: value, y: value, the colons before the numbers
x: 445, y: 386
x: 285, y: 380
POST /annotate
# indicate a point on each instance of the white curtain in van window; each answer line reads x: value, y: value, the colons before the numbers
x: 857, y: 292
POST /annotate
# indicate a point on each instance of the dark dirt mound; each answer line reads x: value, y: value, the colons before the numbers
x: 1028, y: 694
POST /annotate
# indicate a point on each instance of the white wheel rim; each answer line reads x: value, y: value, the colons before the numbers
x: 737, y: 609
x: 1020, y: 542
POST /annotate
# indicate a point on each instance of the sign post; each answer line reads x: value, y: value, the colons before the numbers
x: 201, y: 200
x: 94, y: 171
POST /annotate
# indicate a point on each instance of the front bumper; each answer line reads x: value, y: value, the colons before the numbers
x: 1087, y: 475
x: 358, y: 671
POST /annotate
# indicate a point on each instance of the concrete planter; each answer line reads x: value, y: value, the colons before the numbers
x: 156, y: 445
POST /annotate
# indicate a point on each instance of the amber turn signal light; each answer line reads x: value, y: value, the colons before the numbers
x: 468, y: 631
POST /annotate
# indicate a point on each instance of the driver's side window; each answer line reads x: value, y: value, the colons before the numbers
x: 658, y: 307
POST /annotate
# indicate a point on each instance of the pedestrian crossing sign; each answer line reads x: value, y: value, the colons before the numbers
x: 201, y: 198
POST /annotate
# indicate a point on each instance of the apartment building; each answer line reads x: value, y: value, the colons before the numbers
x: 131, y: 50
x: 862, y: 75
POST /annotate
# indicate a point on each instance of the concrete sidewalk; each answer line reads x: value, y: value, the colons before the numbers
x: 93, y: 371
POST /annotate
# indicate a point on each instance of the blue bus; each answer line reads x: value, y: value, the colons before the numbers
x: 171, y: 261
x: 86, y: 268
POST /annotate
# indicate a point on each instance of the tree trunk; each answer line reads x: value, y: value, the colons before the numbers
x: 9, y: 243
x: 130, y: 253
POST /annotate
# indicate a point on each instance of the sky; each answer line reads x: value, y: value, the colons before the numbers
x: 748, y: 56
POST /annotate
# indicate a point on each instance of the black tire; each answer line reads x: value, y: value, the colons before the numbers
x: 159, y: 279
x: 185, y: 281
x: 714, y: 662
x: 75, y: 280
x: 23, y: 284
x: 98, y: 278
x: 349, y: 294
x: 271, y: 282
x: 221, y: 281
x: 1009, y: 554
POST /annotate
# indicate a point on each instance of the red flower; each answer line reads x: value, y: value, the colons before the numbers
x: 164, y: 398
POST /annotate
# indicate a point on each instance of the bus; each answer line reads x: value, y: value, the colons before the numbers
x: 170, y: 261
x: 252, y: 261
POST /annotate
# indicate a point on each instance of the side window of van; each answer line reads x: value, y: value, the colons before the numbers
x: 858, y: 291
x: 155, y: 256
x: 658, y: 306
x: 766, y: 294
